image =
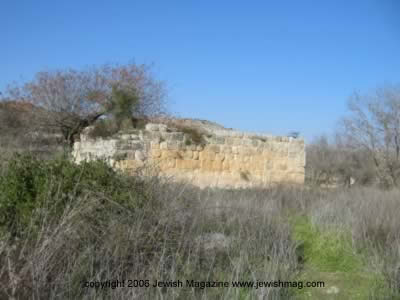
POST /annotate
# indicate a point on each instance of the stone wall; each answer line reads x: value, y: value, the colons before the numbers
x: 226, y: 158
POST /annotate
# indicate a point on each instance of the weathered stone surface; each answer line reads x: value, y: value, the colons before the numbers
x: 164, y: 145
x: 139, y: 155
x: 156, y: 153
x: 195, y: 155
x: 187, y: 164
x: 170, y: 154
x: 229, y: 159
x: 156, y: 127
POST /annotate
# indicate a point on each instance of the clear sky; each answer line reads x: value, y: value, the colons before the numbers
x: 270, y: 66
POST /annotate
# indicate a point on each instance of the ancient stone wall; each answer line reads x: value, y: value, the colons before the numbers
x: 226, y: 158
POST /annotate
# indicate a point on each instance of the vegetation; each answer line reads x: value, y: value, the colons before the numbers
x: 63, y: 225
x: 68, y: 101
x: 27, y: 183
x: 196, y: 137
x: 366, y: 148
x: 103, y: 129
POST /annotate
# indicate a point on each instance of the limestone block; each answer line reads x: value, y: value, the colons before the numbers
x: 235, y: 150
x: 199, y: 148
x: 250, y: 151
x: 130, y: 164
x: 219, y: 157
x: 257, y: 174
x: 154, y: 145
x: 156, y: 153
x: 134, y: 137
x: 168, y: 154
x: 174, y: 145
x: 283, y: 166
x: 293, y: 153
x: 228, y: 156
x: 127, y: 145
x: 298, y: 162
x: 267, y: 155
x: 269, y: 167
x: 139, y: 155
x: 125, y: 136
x: 190, y: 147
x: 207, y: 155
x: 162, y: 127
x: 211, y: 155
x: 152, y: 135
x: 129, y: 154
x: 226, y: 149
x: 151, y: 127
x: 206, y: 165
x: 217, y: 166
x: 285, y: 139
x: 77, y: 146
x: 238, y: 134
x: 213, y: 148
x: 245, y: 150
x: 281, y: 148
x: 230, y: 141
x: 255, y: 143
x: 259, y: 150
x: 156, y: 127
x: 258, y: 165
x: 173, y: 136
x: 225, y: 166
x: 202, y: 155
x: 195, y: 155
x: 220, y: 140
x: 187, y: 164
x: 176, y: 136
x: 187, y: 154
x: 247, y: 142
x: 235, y: 166
x: 237, y: 141
x: 163, y: 145
x: 167, y: 164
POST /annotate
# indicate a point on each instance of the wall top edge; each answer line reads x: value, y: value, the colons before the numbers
x: 225, y: 133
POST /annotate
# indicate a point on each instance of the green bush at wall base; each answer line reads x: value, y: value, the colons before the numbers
x: 27, y: 182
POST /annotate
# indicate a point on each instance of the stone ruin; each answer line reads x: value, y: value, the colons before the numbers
x: 224, y: 158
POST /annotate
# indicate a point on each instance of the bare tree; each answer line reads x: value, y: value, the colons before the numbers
x: 332, y: 162
x: 374, y: 126
x: 70, y: 100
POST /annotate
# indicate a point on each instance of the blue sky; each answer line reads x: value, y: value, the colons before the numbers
x: 270, y: 66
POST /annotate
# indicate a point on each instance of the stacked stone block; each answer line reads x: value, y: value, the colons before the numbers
x: 225, y: 159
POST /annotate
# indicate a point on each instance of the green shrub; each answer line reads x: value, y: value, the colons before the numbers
x: 27, y: 182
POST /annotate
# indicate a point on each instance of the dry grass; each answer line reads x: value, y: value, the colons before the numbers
x: 186, y: 233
